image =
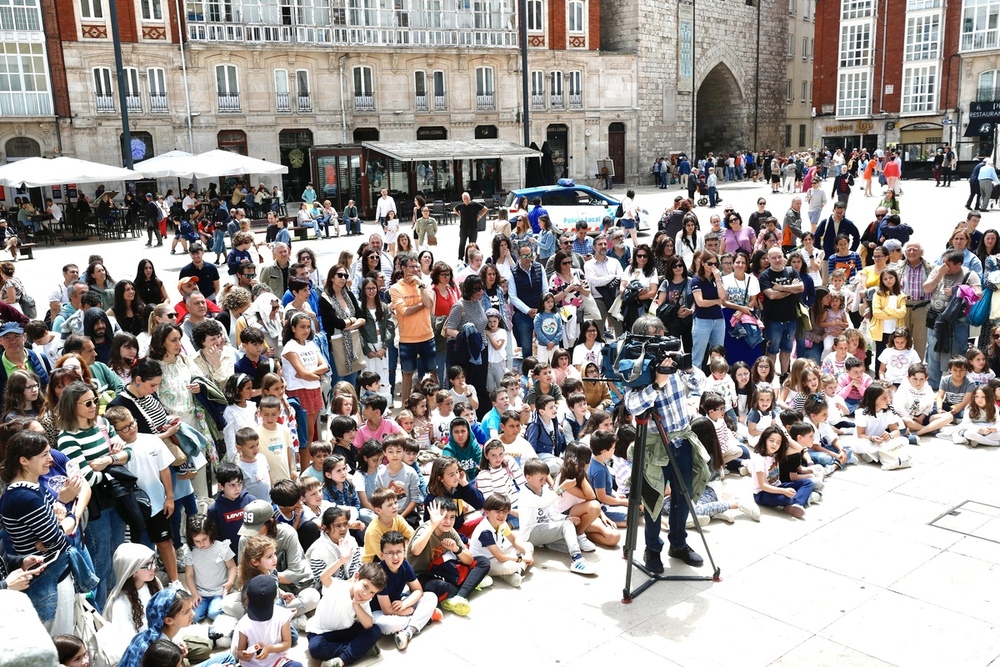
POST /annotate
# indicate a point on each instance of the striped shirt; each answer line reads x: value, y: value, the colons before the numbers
x: 82, y: 447
x: 507, y: 479
x: 210, y: 570
x: 28, y: 517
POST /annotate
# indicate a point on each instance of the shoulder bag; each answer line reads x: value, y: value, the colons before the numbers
x: 342, y: 364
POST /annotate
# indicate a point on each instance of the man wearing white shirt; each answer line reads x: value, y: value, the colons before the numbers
x: 525, y: 291
x: 604, y: 276
x: 385, y: 204
x: 53, y: 209
x: 190, y: 201
x: 60, y: 295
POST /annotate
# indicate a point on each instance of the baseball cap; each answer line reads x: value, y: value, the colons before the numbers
x: 260, y: 593
x: 11, y: 327
x: 149, y: 195
x: 255, y: 515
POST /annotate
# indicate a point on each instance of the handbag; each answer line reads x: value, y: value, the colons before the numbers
x: 956, y: 306
x: 104, y: 643
x: 803, y: 321
x: 980, y: 312
x: 432, y: 239
x: 343, y: 365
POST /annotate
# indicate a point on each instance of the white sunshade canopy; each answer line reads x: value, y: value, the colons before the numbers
x: 226, y: 163
x: 36, y: 172
x: 173, y: 164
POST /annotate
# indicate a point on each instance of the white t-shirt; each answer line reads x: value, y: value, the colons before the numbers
x: 121, y: 613
x: 741, y: 292
x: 264, y: 632
x: 766, y: 465
x: 897, y: 363
x: 876, y: 425
x: 149, y: 457
x: 498, y: 356
x: 335, y: 610
x: 308, y: 355
x: 582, y: 356
x: 909, y: 401
x: 888, y: 326
x: 440, y: 428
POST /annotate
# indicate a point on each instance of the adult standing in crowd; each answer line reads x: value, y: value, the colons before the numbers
x: 149, y: 289
x: 383, y: 206
x: 470, y: 311
x: 742, y: 290
x: 413, y: 303
x: 469, y: 213
x: 781, y: 287
x: 834, y: 226
x: 942, y: 284
x: 604, y: 277
x: 525, y: 291
x: 275, y: 274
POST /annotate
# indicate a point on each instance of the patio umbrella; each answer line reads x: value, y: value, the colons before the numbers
x: 226, y: 163
x: 36, y: 172
x: 173, y: 164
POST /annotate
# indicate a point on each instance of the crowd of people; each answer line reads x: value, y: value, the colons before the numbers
x: 239, y: 458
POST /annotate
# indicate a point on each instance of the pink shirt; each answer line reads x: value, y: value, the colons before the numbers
x: 365, y: 433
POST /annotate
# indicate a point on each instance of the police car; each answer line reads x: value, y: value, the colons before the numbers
x: 567, y: 203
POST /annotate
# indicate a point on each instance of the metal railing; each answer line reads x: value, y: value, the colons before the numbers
x: 420, y: 102
x: 364, y: 103
x: 440, y: 102
x: 485, y: 102
x: 229, y: 103
x: 158, y: 103
x: 575, y: 101
x: 537, y: 102
x: 557, y: 101
x: 304, y: 103
x: 105, y: 103
x: 282, y: 102
x: 134, y: 103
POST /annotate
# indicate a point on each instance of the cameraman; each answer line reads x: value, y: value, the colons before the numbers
x: 667, y: 395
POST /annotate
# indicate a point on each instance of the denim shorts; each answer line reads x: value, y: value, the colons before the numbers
x: 779, y: 336
x: 627, y: 223
x: 421, y: 357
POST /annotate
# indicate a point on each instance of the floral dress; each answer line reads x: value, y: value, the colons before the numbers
x: 571, y: 327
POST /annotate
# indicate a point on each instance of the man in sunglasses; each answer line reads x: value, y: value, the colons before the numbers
x: 566, y: 244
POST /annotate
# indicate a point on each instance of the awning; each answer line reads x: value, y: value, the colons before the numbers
x: 450, y: 149
x: 979, y: 127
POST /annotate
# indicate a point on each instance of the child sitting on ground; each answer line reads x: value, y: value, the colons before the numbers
x: 879, y: 439
x: 400, y: 478
x: 387, y: 519
x: 914, y: 402
x: 318, y: 451
x: 955, y: 390
x: 768, y: 489
x: 264, y: 635
x: 210, y: 568
x: 403, y: 608
x: 343, y: 631
x: 614, y: 505
x: 853, y: 383
x: 494, y: 540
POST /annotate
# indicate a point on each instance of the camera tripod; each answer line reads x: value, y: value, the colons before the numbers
x: 635, y: 512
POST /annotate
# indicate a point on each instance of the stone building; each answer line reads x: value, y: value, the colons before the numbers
x: 316, y: 78
x: 798, y: 86
x: 702, y: 83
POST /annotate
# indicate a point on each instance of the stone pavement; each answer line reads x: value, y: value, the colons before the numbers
x: 863, y: 580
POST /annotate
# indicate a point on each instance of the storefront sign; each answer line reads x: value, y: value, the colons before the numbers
x: 859, y: 127
x: 983, y: 118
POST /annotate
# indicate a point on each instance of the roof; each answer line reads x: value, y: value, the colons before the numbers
x: 450, y: 149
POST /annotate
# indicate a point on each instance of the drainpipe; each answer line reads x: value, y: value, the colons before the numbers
x: 184, y: 74
x: 343, y: 104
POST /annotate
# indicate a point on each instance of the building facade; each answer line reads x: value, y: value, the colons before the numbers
x: 281, y: 80
x: 798, y: 84
x: 885, y: 75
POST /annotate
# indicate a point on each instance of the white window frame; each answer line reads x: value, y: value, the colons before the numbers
x: 980, y: 25
x: 282, y: 86
x: 149, y: 10
x: 791, y: 7
x: 91, y: 10
x: 917, y: 5
x: 364, y: 81
x: 791, y: 47
x: 537, y: 83
x: 788, y: 91
x: 805, y: 90
x: 853, y: 92
x: 104, y: 83
x: 855, y: 9
x: 806, y: 9
x: 485, y: 82
x: 574, y: 83
x: 417, y: 75
x: 989, y: 80
x: 920, y: 83
x: 231, y: 79
x: 536, y: 16
x: 923, y: 38
x: 156, y: 87
x: 576, y: 17
x: 855, y: 45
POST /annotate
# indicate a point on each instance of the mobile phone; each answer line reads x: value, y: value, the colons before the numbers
x: 49, y: 558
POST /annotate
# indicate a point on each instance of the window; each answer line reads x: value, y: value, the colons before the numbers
x: 989, y: 86
x: 440, y: 100
x: 919, y: 88
x: 535, y: 16
x: 788, y: 135
x: 917, y: 5
x: 537, y: 89
x: 805, y: 91
x: 152, y: 10
x: 556, y: 89
x: 812, y: 47
x: 791, y: 7
x: 156, y: 82
x: 303, y: 98
x: 802, y: 135
x: 227, y: 88
x: 24, y: 85
x: 91, y: 9
x: 484, y: 88
x: 805, y: 48
x: 364, y: 90
x: 806, y: 9
x: 282, y: 99
x: 788, y: 91
x: 103, y: 90
x: 855, y: 45
x: 855, y: 9
x: 576, y: 90
x: 852, y: 94
x: 20, y: 15
x: 980, y: 20
x: 922, y: 37
x: 133, y: 96
x: 576, y: 16
x: 420, y: 90
x: 791, y: 46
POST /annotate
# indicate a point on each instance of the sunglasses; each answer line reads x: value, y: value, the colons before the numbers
x: 89, y: 403
x: 711, y: 263
x: 565, y: 262
x: 341, y: 275
x: 172, y: 316
x: 644, y: 256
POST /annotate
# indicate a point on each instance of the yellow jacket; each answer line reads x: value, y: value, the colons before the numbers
x: 881, y: 311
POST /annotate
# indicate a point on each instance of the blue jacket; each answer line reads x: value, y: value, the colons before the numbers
x: 541, y: 439
x: 552, y: 322
x: 533, y: 216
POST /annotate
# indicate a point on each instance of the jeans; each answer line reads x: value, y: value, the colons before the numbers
x: 393, y: 362
x: 350, y: 645
x: 704, y: 334
x: 190, y: 506
x: 419, y: 357
x: 353, y: 225
x: 103, y: 537
x: 443, y: 589
x: 209, y: 607
x: 678, y: 513
x: 713, y: 196
x: 803, y: 489
x: 936, y: 362
x: 524, y: 331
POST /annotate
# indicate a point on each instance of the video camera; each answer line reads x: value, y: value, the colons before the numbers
x: 635, y: 359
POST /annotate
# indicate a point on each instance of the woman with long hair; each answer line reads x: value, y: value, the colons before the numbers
x: 569, y: 288
x: 307, y: 258
x: 371, y: 260
x: 97, y: 327
x: 178, y: 388
x: 234, y: 302
x: 13, y: 288
x: 59, y: 379
x: 128, y: 309
x: 470, y: 311
x: 663, y: 252
x: 494, y: 296
x: 22, y: 396
x: 742, y: 291
x: 377, y: 332
x: 340, y: 312
x: 642, y: 271
x: 161, y: 313
x: 426, y: 259
x: 149, y: 289
x: 445, y: 296
x: 99, y: 280
x: 689, y: 240
x: 708, y: 328
x: 503, y: 255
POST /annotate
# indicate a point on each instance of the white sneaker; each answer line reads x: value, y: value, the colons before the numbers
x: 750, y: 509
x: 830, y: 469
x: 581, y: 566
x: 701, y: 518
x: 585, y: 543
x: 299, y: 622
x: 815, y: 498
x: 818, y: 483
x: 485, y: 583
x: 729, y: 516
x: 514, y: 579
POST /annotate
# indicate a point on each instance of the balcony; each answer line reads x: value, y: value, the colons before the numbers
x: 158, y: 103
x: 25, y: 104
x: 537, y: 102
x: 105, y: 103
x: 229, y: 103
x: 557, y: 101
x: 361, y: 28
x: 282, y: 103
x: 420, y: 102
x: 364, y: 103
x: 304, y: 103
x: 987, y: 94
x: 485, y: 102
x: 575, y: 101
x: 133, y: 103
x: 440, y: 103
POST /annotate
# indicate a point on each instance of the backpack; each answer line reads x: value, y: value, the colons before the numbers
x: 620, y: 211
x: 28, y: 306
